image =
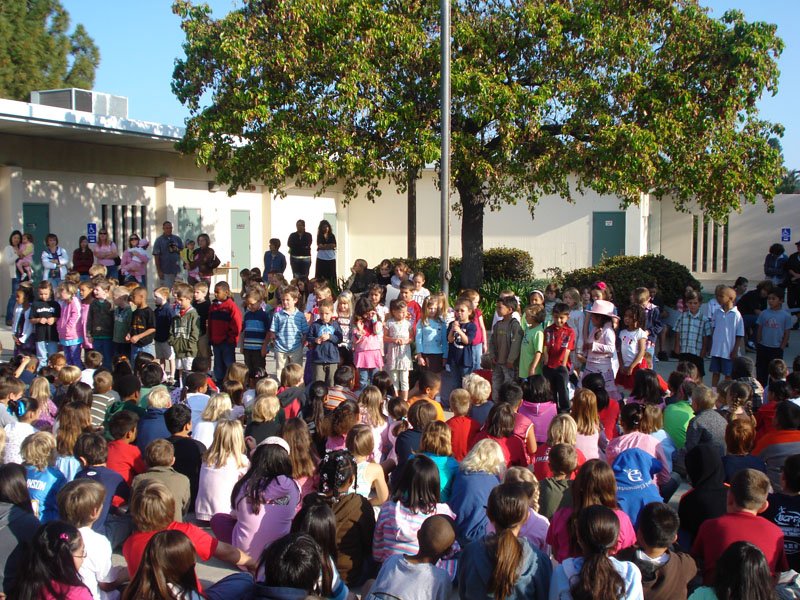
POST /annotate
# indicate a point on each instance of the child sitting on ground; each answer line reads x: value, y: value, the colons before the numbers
x: 535, y: 527
x: 563, y: 464
x: 479, y: 391
x: 666, y: 572
x: 160, y: 457
x: 402, y: 572
x: 44, y: 480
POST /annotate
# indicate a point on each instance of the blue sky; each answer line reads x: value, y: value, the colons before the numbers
x: 140, y: 40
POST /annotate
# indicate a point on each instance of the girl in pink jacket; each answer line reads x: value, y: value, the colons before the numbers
x: 69, y: 334
x: 367, y: 336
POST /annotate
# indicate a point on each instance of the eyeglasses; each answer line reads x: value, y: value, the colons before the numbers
x: 81, y: 556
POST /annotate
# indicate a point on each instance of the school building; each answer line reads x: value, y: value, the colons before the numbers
x: 62, y: 169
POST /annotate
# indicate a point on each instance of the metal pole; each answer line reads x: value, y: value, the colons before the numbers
x: 444, y: 171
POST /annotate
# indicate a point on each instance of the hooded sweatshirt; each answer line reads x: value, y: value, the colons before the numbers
x: 667, y: 581
x: 774, y: 448
x: 708, y: 497
x: 355, y: 525
x: 224, y: 322
x: 475, y: 571
x: 634, y: 470
x: 292, y: 401
x: 559, y: 586
x: 17, y: 528
x: 468, y: 500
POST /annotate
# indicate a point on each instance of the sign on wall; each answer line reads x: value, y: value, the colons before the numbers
x: 91, y: 232
x: 786, y: 234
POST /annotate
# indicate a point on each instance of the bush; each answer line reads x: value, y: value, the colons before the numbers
x: 507, y: 264
x: 626, y: 273
x: 499, y: 264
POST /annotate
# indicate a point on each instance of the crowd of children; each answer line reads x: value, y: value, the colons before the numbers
x: 138, y: 430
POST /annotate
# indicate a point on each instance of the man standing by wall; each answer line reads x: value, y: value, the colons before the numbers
x: 300, y: 251
x: 166, y: 252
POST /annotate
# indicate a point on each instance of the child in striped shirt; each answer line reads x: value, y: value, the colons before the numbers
x: 255, y: 325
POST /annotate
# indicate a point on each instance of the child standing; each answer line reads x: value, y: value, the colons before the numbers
x: 530, y: 353
x: 727, y: 334
x: 652, y: 318
x: 344, y: 316
x: 632, y: 346
x: 202, y: 304
x: 184, y: 331
x: 431, y: 335
x: 21, y: 326
x: 289, y: 329
x: 774, y: 325
x: 559, y: 342
x: 572, y: 298
x: 602, y: 355
x: 255, y: 326
x: 122, y: 321
x: 460, y: 340
x: 692, y: 330
x: 86, y: 296
x: 68, y: 334
x: 419, y: 294
x: 412, y: 307
x: 44, y: 314
x: 165, y: 355
x: 100, y: 322
x: 397, y: 337
x: 504, y: 345
x: 324, y: 337
x: 479, y: 343
x: 367, y: 337
x: 224, y: 327
x: 141, y: 335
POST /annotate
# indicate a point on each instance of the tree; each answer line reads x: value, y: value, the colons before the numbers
x: 619, y: 96
x: 37, y: 52
x: 790, y: 184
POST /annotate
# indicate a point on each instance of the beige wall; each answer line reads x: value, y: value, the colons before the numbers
x: 751, y: 233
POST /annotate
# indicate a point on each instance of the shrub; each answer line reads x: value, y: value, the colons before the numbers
x: 626, y: 273
x: 507, y: 264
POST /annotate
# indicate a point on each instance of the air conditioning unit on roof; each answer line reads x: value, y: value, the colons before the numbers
x: 84, y: 100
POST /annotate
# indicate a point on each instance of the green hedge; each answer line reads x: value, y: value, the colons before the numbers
x: 626, y: 273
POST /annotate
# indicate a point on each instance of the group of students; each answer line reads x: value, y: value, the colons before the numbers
x: 342, y: 474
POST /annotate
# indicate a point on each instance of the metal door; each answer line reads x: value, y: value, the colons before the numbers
x: 240, y: 245
x: 189, y: 224
x: 36, y: 221
x: 608, y: 235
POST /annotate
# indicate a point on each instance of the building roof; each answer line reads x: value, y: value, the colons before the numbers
x: 23, y: 118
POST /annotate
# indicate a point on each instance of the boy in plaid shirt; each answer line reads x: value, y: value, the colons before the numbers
x: 289, y: 328
x: 692, y: 331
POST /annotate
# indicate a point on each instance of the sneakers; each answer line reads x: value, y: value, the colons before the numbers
x: 663, y: 356
x: 750, y: 346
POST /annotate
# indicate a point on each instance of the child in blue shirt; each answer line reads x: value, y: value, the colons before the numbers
x: 255, y: 326
x: 324, y: 337
x: 774, y: 325
x: 44, y: 480
x: 289, y: 328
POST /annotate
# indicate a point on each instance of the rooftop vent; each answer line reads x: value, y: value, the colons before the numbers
x: 84, y: 100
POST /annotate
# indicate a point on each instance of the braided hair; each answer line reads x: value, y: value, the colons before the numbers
x: 335, y: 470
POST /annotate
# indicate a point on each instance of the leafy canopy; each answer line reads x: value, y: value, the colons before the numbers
x: 549, y: 96
x: 37, y: 52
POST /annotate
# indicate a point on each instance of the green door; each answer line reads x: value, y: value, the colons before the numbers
x: 608, y: 235
x: 189, y: 224
x: 36, y: 221
x: 240, y: 245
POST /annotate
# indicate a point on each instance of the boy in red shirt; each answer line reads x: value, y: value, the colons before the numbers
x: 413, y: 308
x: 747, y: 499
x: 224, y: 327
x: 124, y: 456
x: 462, y: 427
x: 559, y: 342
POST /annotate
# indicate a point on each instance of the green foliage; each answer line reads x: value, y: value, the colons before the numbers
x: 37, y: 52
x: 790, y: 184
x: 507, y: 263
x: 548, y: 98
x: 626, y: 273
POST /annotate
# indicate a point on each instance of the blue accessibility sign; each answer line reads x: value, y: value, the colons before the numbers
x: 91, y: 232
x: 786, y: 234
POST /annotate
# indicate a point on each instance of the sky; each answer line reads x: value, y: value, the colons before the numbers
x: 139, y: 42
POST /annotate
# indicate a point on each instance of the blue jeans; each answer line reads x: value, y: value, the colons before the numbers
x: 73, y: 355
x: 224, y: 357
x: 12, y: 300
x: 365, y: 377
x: 112, y: 272
x: 45, y: 349
x: 149, y: 348
x: 106, y: 348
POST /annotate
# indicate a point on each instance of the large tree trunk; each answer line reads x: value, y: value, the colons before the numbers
x: 471, y: 238
x: 412, y: 213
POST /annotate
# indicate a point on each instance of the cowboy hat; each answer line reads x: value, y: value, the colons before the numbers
x: 604, y: 308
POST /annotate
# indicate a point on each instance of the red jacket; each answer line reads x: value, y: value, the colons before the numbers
x: 224, y: 322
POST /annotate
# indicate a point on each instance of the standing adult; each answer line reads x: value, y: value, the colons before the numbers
x: 134, y: 261
x: 326, y: 252
x: 205, y: 259
x: 83, y: 258
x: 792, y: 266
x: 774, y: 265
x: 167, y: 254
x: 54, y: 260
x: 10, y: 259
x: 106, y: 253
x: 300, y: 251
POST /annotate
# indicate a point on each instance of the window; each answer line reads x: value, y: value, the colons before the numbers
x: 122, y: 221
x: 709, y: 245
